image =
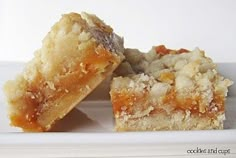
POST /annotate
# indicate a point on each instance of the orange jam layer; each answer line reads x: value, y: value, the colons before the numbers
x: 125, y: 100
x: 129, y: 100
x: 162, y: 50
x: 122, y: 101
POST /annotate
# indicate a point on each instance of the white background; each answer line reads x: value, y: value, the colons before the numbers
x: 208, y: 24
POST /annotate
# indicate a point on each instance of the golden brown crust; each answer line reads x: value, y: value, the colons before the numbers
x: 70, y: 64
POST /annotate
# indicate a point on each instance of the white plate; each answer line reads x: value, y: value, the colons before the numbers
x: 91, y: 124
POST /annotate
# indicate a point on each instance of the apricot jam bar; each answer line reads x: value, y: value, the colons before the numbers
x: 77, y: 54
x: 168, y: 89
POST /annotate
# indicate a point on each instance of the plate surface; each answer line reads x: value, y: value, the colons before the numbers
x: 92, y: 123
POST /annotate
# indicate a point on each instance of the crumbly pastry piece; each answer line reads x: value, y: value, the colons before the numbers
x: 77, y: 54
x: 168, y: 90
